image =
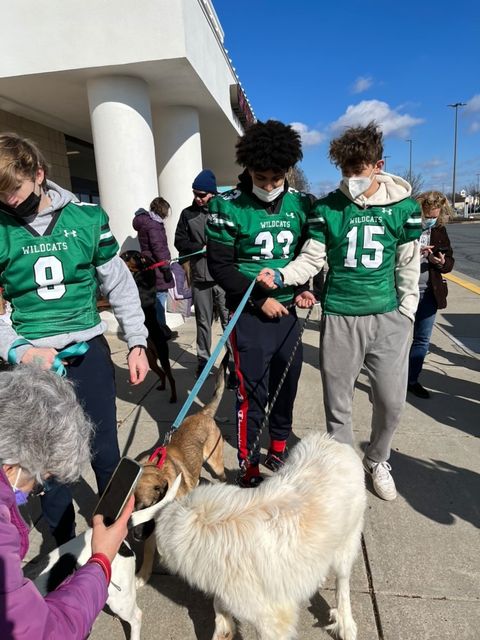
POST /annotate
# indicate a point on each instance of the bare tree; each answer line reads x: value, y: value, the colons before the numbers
x: 298, y: 180
x: 471, y: 189
x: 416, y: 182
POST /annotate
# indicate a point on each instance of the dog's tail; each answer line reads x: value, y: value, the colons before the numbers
x: 211, y: 408
x: 144, y: 515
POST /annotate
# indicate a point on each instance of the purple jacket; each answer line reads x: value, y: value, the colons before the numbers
x: 153, y: 242
x: 67, y: 612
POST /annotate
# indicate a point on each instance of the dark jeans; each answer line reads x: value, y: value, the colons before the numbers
x: 422, y: 331
x: 94, y: 378
x: 261, y: 349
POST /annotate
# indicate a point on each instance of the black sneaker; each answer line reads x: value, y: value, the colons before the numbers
x: 418, y: 390
x: 275, y: 460
x: 247, y: 483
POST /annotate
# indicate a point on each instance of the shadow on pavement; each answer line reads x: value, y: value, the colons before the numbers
x: 453, y: 401
x: 457, y: 359
x: 437, y: 489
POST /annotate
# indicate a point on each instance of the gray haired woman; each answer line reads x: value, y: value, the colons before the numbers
x: 44, y: 433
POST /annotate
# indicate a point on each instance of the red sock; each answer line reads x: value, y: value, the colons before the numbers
x: 252, y: 471
x: 278, y: 446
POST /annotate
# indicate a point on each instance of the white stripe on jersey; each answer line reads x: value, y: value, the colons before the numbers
x: 215, y: 220
x: 104, y: 236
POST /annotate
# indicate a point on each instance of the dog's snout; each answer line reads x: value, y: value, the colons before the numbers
x: 143, y: 531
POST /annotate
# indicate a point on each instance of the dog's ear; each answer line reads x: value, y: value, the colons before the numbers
x: 173, y: 490
x: 139, y: 517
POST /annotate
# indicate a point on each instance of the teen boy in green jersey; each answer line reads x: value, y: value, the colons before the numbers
x: 54, y: 252
x: 261, y: 222
x: 367, y: 229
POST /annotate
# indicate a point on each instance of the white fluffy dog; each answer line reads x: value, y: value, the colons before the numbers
x: 262, y: 552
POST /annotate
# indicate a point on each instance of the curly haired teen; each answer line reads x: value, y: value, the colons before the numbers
x: 261, y: 223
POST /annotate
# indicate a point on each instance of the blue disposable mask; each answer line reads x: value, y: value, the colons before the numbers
x: 21, y: 497
x: 428, y: 223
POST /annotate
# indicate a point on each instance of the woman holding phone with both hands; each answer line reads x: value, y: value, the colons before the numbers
x: 43, y: 434
x: 436, y: 259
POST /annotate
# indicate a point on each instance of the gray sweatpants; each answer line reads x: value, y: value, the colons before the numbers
x: 206, y: 296
x: 381, y: 344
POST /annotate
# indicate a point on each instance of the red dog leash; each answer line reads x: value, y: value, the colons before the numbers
x: 157, y: 264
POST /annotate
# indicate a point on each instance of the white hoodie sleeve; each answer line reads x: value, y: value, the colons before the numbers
x: 307, y: 264
x: 407, y: 274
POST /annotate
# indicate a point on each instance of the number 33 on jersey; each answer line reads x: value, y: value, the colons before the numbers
x: 50, y: 279
x: 261, y: 238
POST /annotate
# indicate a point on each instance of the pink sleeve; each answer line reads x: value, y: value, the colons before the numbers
x: 68, y: 612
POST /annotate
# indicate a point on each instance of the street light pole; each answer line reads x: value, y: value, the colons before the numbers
x: 385, y: 165
x: 410, y: 142
x: 455, y: 106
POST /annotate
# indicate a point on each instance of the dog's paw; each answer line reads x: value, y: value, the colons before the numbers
x: 343, y: 627
x: 141, y: 580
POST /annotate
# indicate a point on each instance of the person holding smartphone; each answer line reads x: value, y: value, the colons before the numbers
x: 436, y: 258
x: 44, y: 433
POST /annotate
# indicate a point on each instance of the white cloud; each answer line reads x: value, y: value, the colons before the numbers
x: 390, y: 120
x: 474, y: 127
x: 361, y: 84
x: 310, y: 137
x: 432, y: 164
x: 473, y: 105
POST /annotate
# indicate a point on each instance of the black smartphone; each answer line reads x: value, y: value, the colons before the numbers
x: 440, y: 250
x: 119, y: 489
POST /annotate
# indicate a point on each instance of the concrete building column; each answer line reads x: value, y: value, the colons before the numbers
x: 121, y: 119
x: 179, y: 159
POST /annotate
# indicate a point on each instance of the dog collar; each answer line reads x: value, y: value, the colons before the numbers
x: 161, y: 454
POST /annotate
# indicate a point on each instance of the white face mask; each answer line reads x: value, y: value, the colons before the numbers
x: 267, y: 196
x: 357, y: 185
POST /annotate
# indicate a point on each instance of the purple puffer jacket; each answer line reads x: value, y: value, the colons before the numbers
x: 153, y: 242
x: 67, y: 612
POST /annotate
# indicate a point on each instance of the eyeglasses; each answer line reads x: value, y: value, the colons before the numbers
x: 200, y: 194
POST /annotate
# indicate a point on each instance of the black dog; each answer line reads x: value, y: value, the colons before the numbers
x: 158, y: 335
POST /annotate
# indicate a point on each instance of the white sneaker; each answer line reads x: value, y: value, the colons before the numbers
x: 383, y: 482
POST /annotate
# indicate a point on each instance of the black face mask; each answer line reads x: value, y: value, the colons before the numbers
x: 26, y: 209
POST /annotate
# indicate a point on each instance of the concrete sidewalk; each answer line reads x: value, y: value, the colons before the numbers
x: 418, y: 576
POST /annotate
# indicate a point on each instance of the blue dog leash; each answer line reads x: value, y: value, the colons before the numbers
x: 74, y: 350
x: 210, y: 362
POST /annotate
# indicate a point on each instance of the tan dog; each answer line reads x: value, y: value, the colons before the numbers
x: 196, y: 442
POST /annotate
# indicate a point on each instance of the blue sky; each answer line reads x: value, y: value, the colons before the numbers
x: 324, y: 65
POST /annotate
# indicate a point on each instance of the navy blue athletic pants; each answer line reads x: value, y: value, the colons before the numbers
x: 94, y: 378
x: 261, y: 348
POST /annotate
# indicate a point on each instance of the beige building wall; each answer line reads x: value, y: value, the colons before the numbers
x: 51, y: 143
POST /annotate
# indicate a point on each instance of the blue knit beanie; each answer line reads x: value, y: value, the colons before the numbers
x: 205, y: 181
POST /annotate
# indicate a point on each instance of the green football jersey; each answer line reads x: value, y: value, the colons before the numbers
x: 361, y: 245
x: 50, y: 279
x: 261, y: 239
